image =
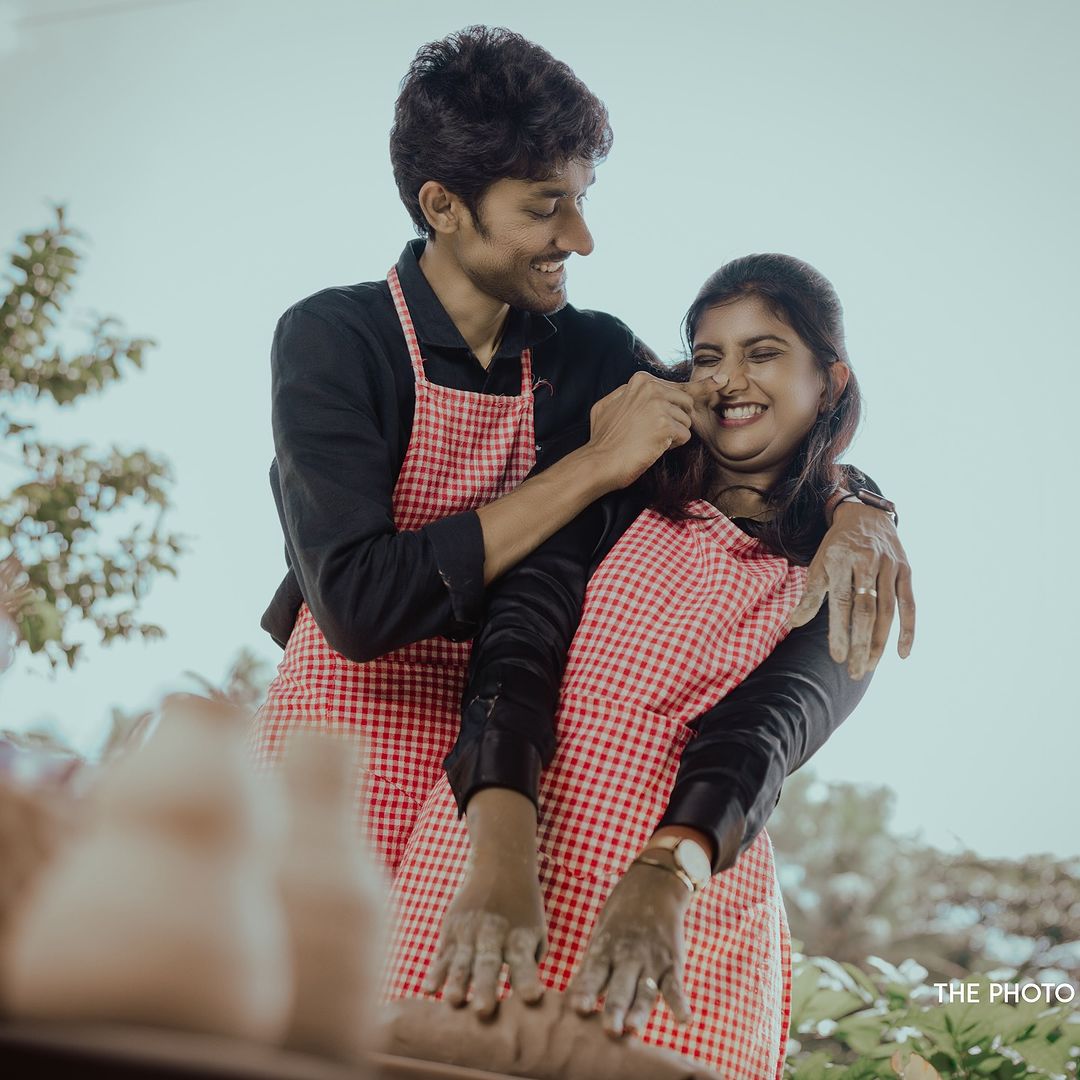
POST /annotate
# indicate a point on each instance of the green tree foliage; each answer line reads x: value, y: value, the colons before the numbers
x: 853, y: 889
x: 85, y: 525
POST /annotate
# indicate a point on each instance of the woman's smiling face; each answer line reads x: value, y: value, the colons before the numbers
x: 769, y: 386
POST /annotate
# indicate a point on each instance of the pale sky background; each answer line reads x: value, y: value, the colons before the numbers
x: 227, y: 158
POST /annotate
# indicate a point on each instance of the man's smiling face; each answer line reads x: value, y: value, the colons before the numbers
x: 516, y: 247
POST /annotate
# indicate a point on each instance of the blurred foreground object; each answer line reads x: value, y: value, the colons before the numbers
x: 334, y: 898
x: 33, y: 825
x: 86, y: 526
x: 165, y: 911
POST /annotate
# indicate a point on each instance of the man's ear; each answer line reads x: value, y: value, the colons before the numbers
x: 839, y: 373
x: 441, y: 207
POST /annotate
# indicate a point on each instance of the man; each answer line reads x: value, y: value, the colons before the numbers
x: 408, y: 413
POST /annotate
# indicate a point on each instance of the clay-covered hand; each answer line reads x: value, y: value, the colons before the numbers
x: 637, y: 950
x: 497, y: 915
x: 862, y: 565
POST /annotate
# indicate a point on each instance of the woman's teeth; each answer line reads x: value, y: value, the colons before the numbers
x: 741, y: 412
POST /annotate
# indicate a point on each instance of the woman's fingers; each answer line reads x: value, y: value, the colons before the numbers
x: 436, y: 973
x: 487, y: 966
x: 589, y: 982
x: 460, y: 974
x: 644, y: 1002
x: 523, y: 951
x: 620, y: 994
x: 467, y: 961
x: 671, y: 988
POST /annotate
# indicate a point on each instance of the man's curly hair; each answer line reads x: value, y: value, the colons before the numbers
x: 485, y: 104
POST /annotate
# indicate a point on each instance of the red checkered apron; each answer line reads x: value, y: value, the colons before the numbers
x: 466, y: 449
x: 674, y: 617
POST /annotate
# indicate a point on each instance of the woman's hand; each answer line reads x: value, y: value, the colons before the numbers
x: 497, y: 916
x: 637, y: 950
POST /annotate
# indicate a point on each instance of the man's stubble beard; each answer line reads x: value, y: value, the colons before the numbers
x: 504, y: 289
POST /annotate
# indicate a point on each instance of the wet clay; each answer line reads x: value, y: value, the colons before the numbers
x: 548, y: 1041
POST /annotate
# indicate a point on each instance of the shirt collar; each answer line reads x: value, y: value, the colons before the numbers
x: 433, y: 326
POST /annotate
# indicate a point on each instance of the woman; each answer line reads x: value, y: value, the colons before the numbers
x: 690, y: 594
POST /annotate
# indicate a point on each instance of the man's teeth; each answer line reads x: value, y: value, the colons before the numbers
x: 548, y: 268
x: 741, y: 412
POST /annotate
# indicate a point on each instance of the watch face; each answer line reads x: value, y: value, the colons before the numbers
x: 694, y: 862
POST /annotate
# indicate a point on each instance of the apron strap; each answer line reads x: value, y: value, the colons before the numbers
x: 526, y: 373
x: 406, y: 325
x: 414, y: 346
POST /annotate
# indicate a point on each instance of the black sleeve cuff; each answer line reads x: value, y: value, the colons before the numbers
x: 458, y: 544
x: 280, y: 617
x: 500, y: 759
x: 709, y: 806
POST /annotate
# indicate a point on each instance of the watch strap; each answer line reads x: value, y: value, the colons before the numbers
x: 670, y: 867
x: 673, y: 844
x: 863, y: 495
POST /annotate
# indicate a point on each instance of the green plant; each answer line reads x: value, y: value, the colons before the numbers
x: 85, y: 526
x: 857, y: 1022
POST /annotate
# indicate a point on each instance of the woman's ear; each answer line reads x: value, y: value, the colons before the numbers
x: 838, y: 376
x: 440, y: 207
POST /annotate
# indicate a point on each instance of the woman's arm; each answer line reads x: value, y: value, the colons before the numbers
x: 743, y: 749
x: 728, y: 782
x: 507, y: 736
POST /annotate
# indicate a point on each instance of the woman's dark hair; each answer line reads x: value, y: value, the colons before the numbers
x: 483, y: 105
x: 796, y: 293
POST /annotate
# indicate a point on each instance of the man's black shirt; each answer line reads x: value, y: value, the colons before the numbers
x: 342, y: 407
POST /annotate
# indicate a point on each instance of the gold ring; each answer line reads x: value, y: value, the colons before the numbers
x: 866, y: 592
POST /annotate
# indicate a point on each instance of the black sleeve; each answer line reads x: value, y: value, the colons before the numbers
x: 371, y: 589
x: 773, y: 722
x: 511, y: 695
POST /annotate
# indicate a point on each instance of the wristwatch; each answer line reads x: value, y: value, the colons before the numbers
x: 863, y: 495
x: 689, y: 860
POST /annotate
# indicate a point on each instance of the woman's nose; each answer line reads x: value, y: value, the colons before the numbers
x: 730, y: 376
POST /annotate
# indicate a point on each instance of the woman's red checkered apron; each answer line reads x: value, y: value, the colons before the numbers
x: 465, y: 450
x: 674, y: 617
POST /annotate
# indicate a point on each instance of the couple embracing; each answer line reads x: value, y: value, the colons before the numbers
x: 551, y: 585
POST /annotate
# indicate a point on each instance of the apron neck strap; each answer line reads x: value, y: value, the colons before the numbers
x: 406, y: 324
x: 409, y: 330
